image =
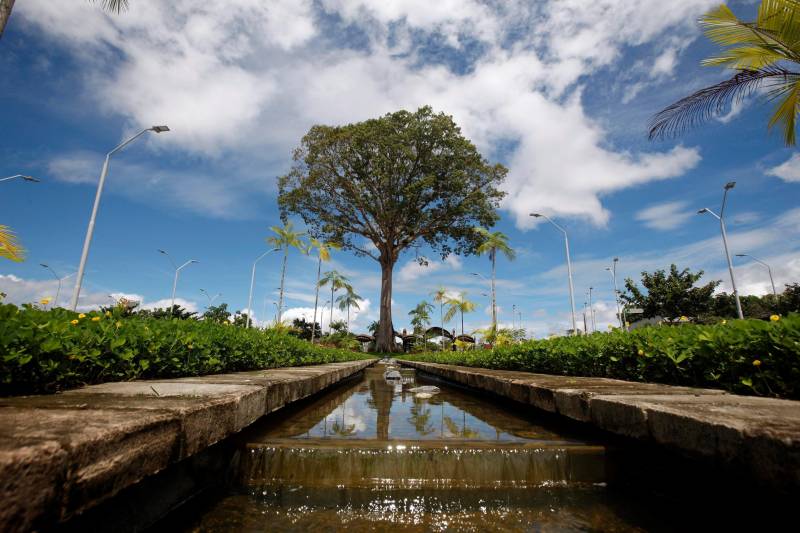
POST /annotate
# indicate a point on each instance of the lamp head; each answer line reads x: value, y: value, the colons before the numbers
x: 159, y: 129
x: 616, y: 259
x: 30, y: 178
x: 730, y: 185
x: 162, y: 251
x: 741, y: 255
x: 535, y: 215
x: 704, y: 210
x: 44, y: 265
x: 194, y: 261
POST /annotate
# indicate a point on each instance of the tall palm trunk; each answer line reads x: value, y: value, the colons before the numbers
x: 5, y: 12
x: 462, y: 321
x: 348, y: 317
x: 494, y: 295
x: 283, y: 277
x: 441, y: 318
x: 330, y: 323
x: 316, y: 301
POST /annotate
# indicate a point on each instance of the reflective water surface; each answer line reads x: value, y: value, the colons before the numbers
x: 385, y: 455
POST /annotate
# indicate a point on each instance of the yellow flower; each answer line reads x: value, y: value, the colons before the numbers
x: 757, y: 363
x: 45, y: 301
x: 641, y: 352
x: 108, y: 313
x: 627, y: 324
x: 774, y: 318
x: 684, y: 319
x: 95, y: 319
x: 81, y: 315
x: 74, y: 322
x: 724, y: 322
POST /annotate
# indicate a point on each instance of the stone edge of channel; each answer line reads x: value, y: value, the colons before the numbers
x: 62, y: 454
x: 758, y: 435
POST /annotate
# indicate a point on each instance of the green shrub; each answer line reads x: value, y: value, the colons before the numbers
x: 45, y: 351
x: 742, y: 356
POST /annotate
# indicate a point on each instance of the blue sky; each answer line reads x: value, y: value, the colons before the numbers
x: 559, y: 92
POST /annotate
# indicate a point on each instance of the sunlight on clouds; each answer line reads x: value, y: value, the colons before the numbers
x: 245, y: 80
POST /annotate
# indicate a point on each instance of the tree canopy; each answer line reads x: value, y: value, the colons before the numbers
x: 670, y: 295
x: 379, y: 186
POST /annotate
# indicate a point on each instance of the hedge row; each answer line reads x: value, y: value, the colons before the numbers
x: 742, y: 356
x: 46, y: 351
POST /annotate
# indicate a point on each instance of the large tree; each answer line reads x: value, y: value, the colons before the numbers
x: 764, y: 54
x: 670, y: 295
x: 393, y: 181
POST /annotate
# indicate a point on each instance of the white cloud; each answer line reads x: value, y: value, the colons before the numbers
x: 666, y: 216
x: 20, y: 291
x: 412, y: 270
x: 244, y: 79
x: 789, y: 170
x: 359, y: 318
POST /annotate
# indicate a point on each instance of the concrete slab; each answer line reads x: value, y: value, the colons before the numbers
x: 757, y: 435
x: 62, y: 454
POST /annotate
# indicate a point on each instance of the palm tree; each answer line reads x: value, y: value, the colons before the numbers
x: 324, y: 251
x: 9, y: 247
x: 458, y: 304
x: 285, y: 237
x: 109, y: 5
x: 420, y: 318
x: 492, y: 243
x: 761, y: 54
x: 346, y: 301
x: 336, y: 281
x: 439, y: 296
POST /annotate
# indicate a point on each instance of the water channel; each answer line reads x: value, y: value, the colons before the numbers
x: 416, y: 454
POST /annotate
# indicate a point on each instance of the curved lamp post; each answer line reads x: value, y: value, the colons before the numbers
x: 769, y: 270
x: 21, y: 176
x: 210, y: 299
x: 569, y: 267
x: 58, y: 279
x: 728, y: 186
x: 252, y: 282
x: 177, y: 271
x: 90, y: 230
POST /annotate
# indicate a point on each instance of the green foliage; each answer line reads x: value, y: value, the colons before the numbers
x: 217, y: 313
x: 764, y: 54
x: 45, y: 351
x: 742, y: 356
x: 176, y: 311
x: 670, y: 295
x: 303, y: 329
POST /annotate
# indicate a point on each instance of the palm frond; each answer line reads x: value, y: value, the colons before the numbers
x: 786, y: 111
x: 706, y: 103
x: 9, y: 246
x: 113, y: 6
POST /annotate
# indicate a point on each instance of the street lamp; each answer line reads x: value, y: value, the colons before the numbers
x: 252, y: 282
x: 494, y: 298
x: 210, y: 299
x: 177, y: 271
x: 728, y: 186
x: 90, y: 230
x: 59, y: 279
x: 613, y: 270
x: 769, y: 270
x: 21, y: 176
x: 569, y: 266
x: 591, y: 310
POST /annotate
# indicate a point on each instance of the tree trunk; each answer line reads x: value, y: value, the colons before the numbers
x: 384, y: 340
x: 441, y: 318
x: 5, y: 12
x: 330, y: 322
x: 283, y: 277
x: 316, y: 302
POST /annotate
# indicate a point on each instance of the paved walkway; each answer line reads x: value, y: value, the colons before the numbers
x: 757, y: 435
x: 63, y: 453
